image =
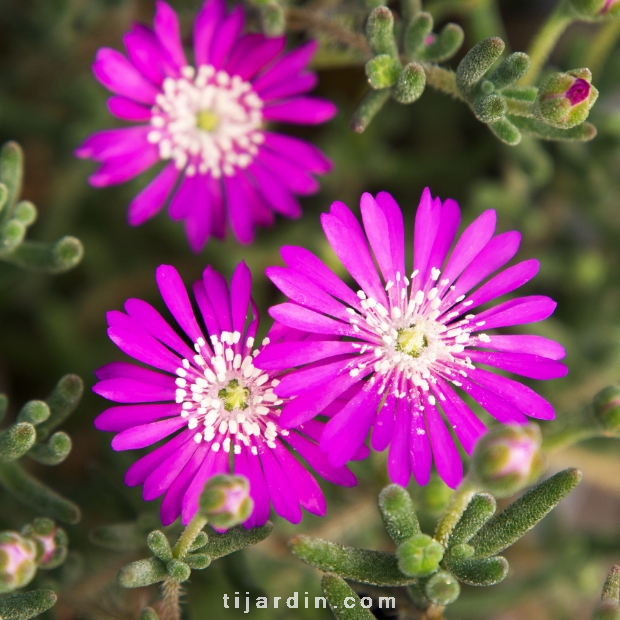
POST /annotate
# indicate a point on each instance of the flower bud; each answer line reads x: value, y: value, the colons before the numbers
x: 508, y: 458
x: 17, y: 561
x: 564, y: 99
x: 226, y: 501
x: 596, y: 8
x: 419, y: 556
x: 442, y: 588
x: 606, y: 406
x: 51, y: 542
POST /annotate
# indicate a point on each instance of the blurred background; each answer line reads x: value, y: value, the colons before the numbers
x: 563, y: 197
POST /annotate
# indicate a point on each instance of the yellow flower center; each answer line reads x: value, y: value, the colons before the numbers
x: 411, y: 340
x: 207, y: 120
x: 234, y: 396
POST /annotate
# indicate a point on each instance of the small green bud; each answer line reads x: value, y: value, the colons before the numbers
x: 417, y: 33
x: 596, y: 9
x: 490, y: 108
x: 27, y: 605
x: 225, y: 501
x: 380, y: 32
x: 34, y: 411
x: 476, y: 63
x: 564, y: 99
x: 16, y: 440
x: 159, y: 545
x: 18, y: 561
x: 25, y: 212
x: 410, y: 84
x: 508, y: 458
x: 148, y: 613
x: 178, y: 570
x: 442, y: 588
x: 486, y: 87
x: 510, y: 70
x: 606, y: 406
x: 197, y: 561
x: 142, y: 573
x: 51, y: 542
x: 382, y: 71
x: 419, y: 556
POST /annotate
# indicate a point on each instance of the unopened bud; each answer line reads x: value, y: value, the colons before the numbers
x: 18, y: 563
x: 508, y: 458
x: 564, y: 99
x: 442, y: 588
x: 419, y: 556
x: 51, y: 542
x: 606, y: 406
x: 226, y: 501
x: 593, y: 9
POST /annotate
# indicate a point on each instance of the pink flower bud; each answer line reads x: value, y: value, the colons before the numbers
x: 17, y: 561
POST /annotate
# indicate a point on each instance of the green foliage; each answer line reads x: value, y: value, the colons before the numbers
x: 609, y: 607
x: 373, y: 567
x: 380, y: 32
x: 479, y: 510
x: 504, y: 529
x: 337, y: 590
x: 27, y: 605
x: 142, y: 573
x: 16, y: 216
x: 398, y: 514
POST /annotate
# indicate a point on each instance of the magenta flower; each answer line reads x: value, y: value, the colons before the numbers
x: 208, y: 122
x: 409, y: 340
x: 217, y: 404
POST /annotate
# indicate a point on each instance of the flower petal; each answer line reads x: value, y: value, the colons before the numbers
x: 147, y: 434
x: 153, y: 197
x: 300, y: 111
x: 166, y: 24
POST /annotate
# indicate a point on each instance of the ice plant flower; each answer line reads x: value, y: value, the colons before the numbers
x: 18, y: 563
x: 216, y: 411
x: 208, y: 123
x: 410, y: 337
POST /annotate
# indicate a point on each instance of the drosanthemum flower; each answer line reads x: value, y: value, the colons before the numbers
x: 208, y: 122
x: 220, y: 408
x: 406, y: 339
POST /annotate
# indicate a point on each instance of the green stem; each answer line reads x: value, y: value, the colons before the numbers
x: 600, y: 49
x: 461, y: 498
x: 188, y: 536
x: 171, y: 592
x: 545, y: 40
x: 518, y: 107
x: 570, y: 436
x: 441, y: 79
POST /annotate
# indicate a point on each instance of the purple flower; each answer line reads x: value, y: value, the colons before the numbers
x: 210, y: 404
x: 409, y: 340
x: 208, y: 122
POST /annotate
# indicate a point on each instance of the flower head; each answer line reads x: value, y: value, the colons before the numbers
x: 208, y: 122
x: 565, y: 99
x: 18, y: 561
x: 216, y: 411
x: 410, y: 339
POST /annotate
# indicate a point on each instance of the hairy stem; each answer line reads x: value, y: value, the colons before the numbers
x: 188, y: 536
x: 602, y: 45
x: 299, y: 19
x: 545, y: 40
x: 442, y: 79
x: 462, y: 496
x: 171, y: 592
